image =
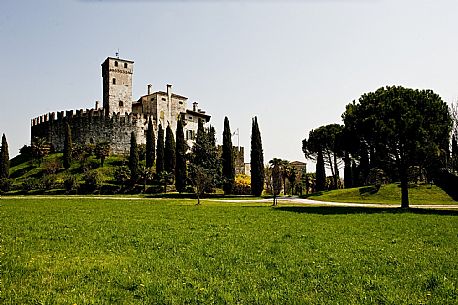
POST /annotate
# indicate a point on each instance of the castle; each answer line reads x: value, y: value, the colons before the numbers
x: 120, y: 115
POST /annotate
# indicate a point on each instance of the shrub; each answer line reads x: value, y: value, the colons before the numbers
x: 242, y: 185
x: 376, y: 177
x: 70, y: 183
x: 48, y: 181
x: 52, y: 166
x: 122, y: 175
x: 30, y: 184
x: 92, y: 180
x: 5, y: 184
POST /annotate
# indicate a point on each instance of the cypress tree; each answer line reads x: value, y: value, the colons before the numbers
x: 133, y: 158
x: 68, y: 147
x: 257, y: 160
x: 150, y: 145
x: 228, y: 159
x: 160, y: 150
x: 5, y: 161
x: 180, y: 153
x: 320, y: 172
x: 169, y: 151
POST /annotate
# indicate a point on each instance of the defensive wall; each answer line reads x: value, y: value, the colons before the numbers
x: 91, y: 126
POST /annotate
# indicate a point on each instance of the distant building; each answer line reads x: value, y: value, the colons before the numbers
x: 120, y: 115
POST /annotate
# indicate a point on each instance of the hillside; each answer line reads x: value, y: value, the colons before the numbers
x: 48, y: 176
x: 389, y: 194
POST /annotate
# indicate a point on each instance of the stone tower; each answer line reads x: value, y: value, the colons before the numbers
x: 117, y: 85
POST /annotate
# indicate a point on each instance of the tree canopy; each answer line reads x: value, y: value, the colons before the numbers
x: 329, y: 140
x: 405, y: 127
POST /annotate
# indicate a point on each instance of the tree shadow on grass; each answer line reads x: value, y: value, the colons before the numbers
x: 332, y: 210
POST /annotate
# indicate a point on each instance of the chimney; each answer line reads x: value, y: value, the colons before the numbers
x: 149, y: 88
x: 97, y: 105
x: 169, y: 90
x: 194, y: 106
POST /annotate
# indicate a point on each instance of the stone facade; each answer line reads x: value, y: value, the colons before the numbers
x: 120, y: 115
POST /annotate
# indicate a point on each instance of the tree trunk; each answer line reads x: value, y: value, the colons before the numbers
x: 336, y: 172
x: 404, y: 189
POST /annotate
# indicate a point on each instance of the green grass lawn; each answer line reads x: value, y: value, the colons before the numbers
x: 163, y: 251
x: 388, y: 194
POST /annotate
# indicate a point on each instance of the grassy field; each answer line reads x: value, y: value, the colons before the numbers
x: 162, y: 251
x: 388, y: 194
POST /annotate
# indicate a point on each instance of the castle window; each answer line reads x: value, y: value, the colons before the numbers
x: 125, y: 65
x: 163, y: 99
x: 121, y: 104
x: 181, y: 103
x: 114, y: 81
x: 116, y: 63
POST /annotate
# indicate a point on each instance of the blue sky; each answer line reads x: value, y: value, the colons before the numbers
x: 294, y: 64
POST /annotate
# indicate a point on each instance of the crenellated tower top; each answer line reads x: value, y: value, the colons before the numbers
x: 117, y: 85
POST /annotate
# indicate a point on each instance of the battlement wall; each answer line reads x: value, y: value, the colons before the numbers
x: 91, y: 126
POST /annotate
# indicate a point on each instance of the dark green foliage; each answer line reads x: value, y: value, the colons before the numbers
x: 180, y: 169
x: 5, y: 159
x: 101, y: 150
x: 122, y: 175
x: 70, y: 183
x: 169, y: 151
x: 5, y: 184
x: 68, y: 147
x: 160, y: 150
x: 257, y: 160
x: 40, y: 148
x: 92, y: 180
x: 141, y: 149
x: 406, y: 127
x: 204, y: 167
x: 133, y: 158
x: 320, y: 184
x: 150, y: 145
x: 228, y: 159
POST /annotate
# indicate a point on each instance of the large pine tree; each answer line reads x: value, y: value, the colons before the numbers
x: 257, y: 160
x: 68, y: 147
x: 169, y: 151
x: 228, y: 159
x: 133, y: 158
x: 5, y: 159
x: 160, y: 150
x: 180, y: 152
x: 150, y: 145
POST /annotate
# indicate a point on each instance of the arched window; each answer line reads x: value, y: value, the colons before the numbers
x: 121, y: 104
x: 116, y: 63
x: 125, y: 65
x: 114, y: 81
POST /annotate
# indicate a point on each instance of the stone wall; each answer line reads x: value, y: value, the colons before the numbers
x: 91, y: 126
